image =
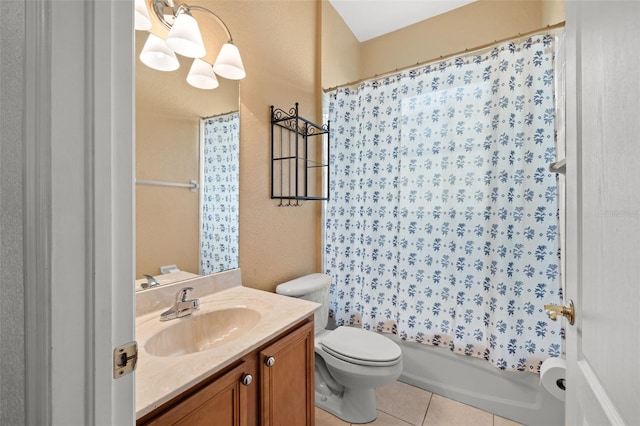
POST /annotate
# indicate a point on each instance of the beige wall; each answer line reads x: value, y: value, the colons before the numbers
x: 340, y: 49
x: 468, y: 27
x: 167, y: 219
x: 280, y: 50
x: 553, y: 11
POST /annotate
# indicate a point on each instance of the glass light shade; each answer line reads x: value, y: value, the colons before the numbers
x: 229, y: 63
x: 201, y: 75
x: 155, y: 54
x: 185, y: 37
x: 141, y: 16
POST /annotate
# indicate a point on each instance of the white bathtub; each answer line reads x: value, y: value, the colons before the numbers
x: 514, y: 395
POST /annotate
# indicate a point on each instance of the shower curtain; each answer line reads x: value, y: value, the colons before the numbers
x: 442, y: 225
x: 219, y: 193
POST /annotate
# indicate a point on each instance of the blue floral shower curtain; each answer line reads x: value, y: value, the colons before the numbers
x: 219, y: 193
x: 443, y: 221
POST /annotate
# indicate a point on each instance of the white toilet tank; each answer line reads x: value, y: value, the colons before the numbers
x: 313, y: 287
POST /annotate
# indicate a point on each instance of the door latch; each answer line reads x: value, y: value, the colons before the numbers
x: 566, y: 311
x: 125, y: 358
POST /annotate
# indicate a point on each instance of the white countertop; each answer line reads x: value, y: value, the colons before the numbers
x: 159, y: 379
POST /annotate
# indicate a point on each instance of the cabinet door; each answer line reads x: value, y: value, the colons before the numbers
x: 223, y: 402
x: 286, y: 371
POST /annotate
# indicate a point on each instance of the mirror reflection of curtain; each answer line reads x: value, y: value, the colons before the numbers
x: 442, y: 225
x: 219, y: 193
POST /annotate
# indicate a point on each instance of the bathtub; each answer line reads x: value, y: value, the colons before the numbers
x: 511, y: 394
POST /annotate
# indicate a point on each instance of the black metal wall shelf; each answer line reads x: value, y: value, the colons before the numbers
x: 299, y: 158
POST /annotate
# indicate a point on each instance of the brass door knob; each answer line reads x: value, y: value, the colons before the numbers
x: 566, y: 311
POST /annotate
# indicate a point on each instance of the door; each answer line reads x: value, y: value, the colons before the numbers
x: 603, y: 211
x: 223, y: 402
x: 286, y: 372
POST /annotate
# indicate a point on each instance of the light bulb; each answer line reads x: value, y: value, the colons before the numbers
x: 201, y: 75
x: 184, y: 37
x: 155, y: 54
x: 141, y: 15
x: 229, y: 63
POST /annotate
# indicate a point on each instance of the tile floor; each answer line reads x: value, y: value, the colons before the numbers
x: 400, y: 404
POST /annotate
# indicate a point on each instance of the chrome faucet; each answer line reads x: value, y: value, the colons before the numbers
x: 151, y: 282
x: 183, y: 306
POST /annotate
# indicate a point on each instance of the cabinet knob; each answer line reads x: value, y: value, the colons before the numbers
x: 270, y: 361
x: 247, y: 379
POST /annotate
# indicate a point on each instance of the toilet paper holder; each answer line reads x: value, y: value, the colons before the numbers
x: 566, y: 311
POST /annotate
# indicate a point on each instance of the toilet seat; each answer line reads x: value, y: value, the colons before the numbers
x: 361, y: 347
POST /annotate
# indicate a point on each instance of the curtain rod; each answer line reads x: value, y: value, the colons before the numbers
x: 221, y: 114
x: 452, y: 55
x: 193, y: 185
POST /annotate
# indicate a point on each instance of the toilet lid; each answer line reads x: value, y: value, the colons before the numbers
x: 362, y: 347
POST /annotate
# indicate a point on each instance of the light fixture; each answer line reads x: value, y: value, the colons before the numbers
x: 184, y: 37
x: 157, y: 55
x: 201, y: 75
x: 142, y: 19
x: 229, y: 63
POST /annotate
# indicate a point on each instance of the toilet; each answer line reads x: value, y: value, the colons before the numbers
x: 349, y: 362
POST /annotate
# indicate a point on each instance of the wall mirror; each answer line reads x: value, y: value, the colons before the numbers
x: 170, y: 218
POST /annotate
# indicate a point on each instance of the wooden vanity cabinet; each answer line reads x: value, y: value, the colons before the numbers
x: 224, y: 401
x: 286, y: 372
x: 281, y: 391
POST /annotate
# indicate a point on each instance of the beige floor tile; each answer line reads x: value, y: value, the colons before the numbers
x: 324, y: 418
x: 385, y: 419
x: 403, y: 401
x: 501, y: 421
x: 447, y: 412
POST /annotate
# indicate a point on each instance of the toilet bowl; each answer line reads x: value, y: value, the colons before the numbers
x: 350, y: 362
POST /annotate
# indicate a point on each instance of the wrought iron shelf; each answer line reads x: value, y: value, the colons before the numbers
x: 299, y: 158
x: 310, y: 163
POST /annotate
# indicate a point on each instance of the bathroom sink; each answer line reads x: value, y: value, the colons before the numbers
x: 202, y: 331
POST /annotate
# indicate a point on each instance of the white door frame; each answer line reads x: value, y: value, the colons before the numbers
x: 79, y: 199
